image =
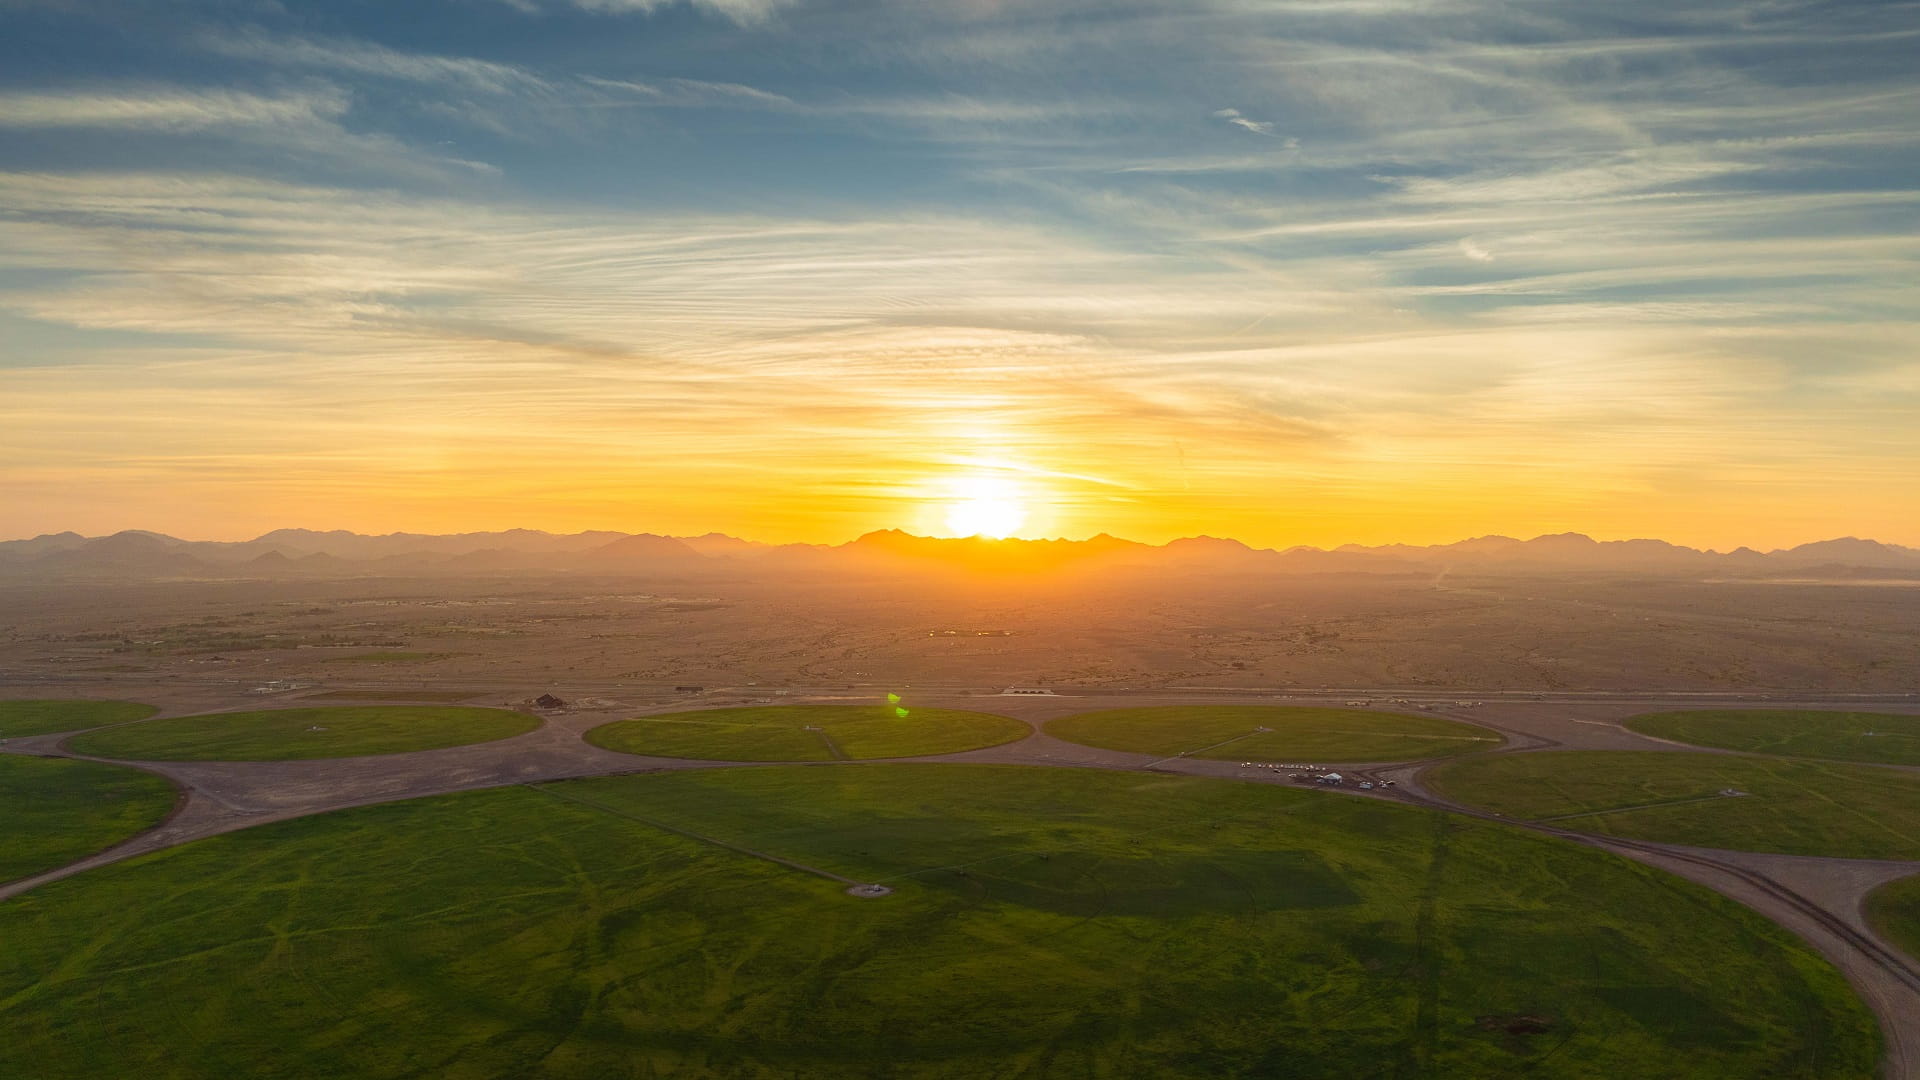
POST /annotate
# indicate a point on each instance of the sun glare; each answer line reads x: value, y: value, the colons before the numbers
x: 985, y: 506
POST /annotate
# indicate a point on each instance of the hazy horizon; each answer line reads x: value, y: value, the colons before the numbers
x: 237, y: 539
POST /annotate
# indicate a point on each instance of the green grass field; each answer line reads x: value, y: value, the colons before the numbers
x: 45, y: 717
x: 1894, y: 910
x: 1230, y: 732
x: 1046, y: 923
x: 287, y: 734
x: 1883, y: 738
x: 806, y: 733
x: 54, y: 810
x: 1793, y: 807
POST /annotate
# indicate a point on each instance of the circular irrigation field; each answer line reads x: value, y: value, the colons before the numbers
x: 55, y: 810
x: 1894, y: 910
x: 1273, y: 733
x: 1703, y: 800
x: 290, y: 734
x: 1881, y: 738
x: 807, y: 733
x: 38, y: 717
x: 1057, y: 922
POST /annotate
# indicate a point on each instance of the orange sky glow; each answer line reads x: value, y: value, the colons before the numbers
x: 1294, y: 274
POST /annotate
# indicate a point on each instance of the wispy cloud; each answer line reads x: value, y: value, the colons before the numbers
x: 691, y: 92
x: 890, y: 341
x: 1244, y: 122
x: 304, y: 128
x: 368, y: 59
x: 745, y: 12
x: 165, y: 109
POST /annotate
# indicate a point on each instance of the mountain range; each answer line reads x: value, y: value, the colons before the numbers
x: 304, y: 553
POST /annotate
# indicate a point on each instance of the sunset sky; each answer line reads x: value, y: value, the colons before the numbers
x: 1297, y: 272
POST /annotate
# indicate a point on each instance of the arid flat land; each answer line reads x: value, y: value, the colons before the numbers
x: 649, y: 636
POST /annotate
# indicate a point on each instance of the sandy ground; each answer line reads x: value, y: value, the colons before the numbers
x: 1818, y: 898
x: 644, y: 637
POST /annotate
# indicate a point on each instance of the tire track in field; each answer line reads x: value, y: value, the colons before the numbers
x: 1629, y: 809
x: 691, y: 835
x: 1426, y: 1019
x: 1204, y: 749
x: 833, y: 748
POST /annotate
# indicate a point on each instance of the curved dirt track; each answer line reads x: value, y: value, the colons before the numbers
x: 1817, y: 898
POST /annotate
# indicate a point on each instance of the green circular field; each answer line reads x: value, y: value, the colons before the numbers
x: 55, y: 810
x: 45, y: 717
x: 1883, y: 738
x: 1787, y: 806
x: 288, y: 734
x: 1044, y: 922
x: 807, y: 733
x: 1894, y: 910
x: 1226, y: 732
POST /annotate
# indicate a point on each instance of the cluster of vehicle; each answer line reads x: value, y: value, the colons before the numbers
x: 1311, y: 775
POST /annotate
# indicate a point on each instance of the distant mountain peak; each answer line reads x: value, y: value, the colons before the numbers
x: 1565, y: 539
x: 1204, y: 540
x: 650, y: 546
x: 132, y: 540
x: 138, y: 553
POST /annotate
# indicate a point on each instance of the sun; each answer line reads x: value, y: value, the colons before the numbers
x: 985, y: 506
x: 993, y: 518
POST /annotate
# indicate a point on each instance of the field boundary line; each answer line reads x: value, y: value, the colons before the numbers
x: 1636, y: 806
x: 1203, y: 749
x: 1427, y: 958
x: 833, y: 748
x: 1417, y: 735
x: 697, y: 723
x: 691, y: 835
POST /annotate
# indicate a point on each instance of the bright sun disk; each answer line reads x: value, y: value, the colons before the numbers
x: 986, y: 507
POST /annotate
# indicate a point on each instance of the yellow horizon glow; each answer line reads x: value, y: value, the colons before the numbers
x: 694, y: 385
x: 1139, y: 491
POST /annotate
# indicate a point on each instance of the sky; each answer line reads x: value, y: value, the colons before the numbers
x: 1294, y: 271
